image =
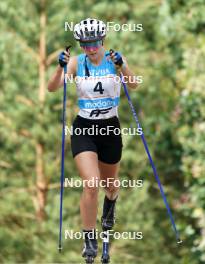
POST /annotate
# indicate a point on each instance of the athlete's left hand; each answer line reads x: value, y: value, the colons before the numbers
x: 116, y: 58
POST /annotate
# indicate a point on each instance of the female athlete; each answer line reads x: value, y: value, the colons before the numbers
x: 97, y: 157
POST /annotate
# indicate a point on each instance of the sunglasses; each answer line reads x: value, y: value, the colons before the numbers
x: 91, y: 45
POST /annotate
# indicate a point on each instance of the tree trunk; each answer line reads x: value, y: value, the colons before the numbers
x: 41, y: 182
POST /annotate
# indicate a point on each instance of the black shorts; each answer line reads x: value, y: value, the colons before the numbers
x: 89, y: 137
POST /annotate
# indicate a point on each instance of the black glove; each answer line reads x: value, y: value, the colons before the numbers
x: 64, y: 57
x: 116, y: 57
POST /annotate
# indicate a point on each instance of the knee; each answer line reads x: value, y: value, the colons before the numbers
x: 92, y: 192
x: 91, y: 188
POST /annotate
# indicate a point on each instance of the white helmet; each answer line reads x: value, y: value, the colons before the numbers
x: 90, y: 30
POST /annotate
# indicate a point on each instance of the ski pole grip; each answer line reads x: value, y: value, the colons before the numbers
x: 68, y: 47
x: 111, y: 51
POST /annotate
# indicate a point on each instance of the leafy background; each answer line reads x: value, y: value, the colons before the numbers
x: 170, y: 55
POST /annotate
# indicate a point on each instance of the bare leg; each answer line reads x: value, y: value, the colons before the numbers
x: 87, y: 165
x: 109, y: 174
x: 109, y: 171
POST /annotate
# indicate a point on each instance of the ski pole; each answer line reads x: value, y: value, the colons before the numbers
x: 62, y: 157
x: 151, y: 162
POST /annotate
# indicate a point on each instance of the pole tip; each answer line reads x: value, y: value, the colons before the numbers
x: 179, y: 241
x: 60, y: 249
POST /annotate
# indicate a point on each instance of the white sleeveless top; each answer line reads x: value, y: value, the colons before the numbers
x: 99, y: 94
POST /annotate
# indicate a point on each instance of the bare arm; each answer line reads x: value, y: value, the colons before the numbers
x: 129, y: 76
x: 56, y: 80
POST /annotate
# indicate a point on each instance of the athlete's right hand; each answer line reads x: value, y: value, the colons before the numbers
x: 64, y: 57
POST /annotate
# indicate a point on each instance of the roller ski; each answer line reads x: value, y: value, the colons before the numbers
x: 105, y: 251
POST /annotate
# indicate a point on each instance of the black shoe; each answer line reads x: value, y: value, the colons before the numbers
x: 107, y: 223
x: 108, y: 217
x: 90, y: 248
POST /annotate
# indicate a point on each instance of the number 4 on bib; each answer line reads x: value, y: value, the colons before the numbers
x: 98, y: 88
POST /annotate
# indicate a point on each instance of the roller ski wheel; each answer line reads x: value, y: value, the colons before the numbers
x: 105, y: 259
x: 89, y: 259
